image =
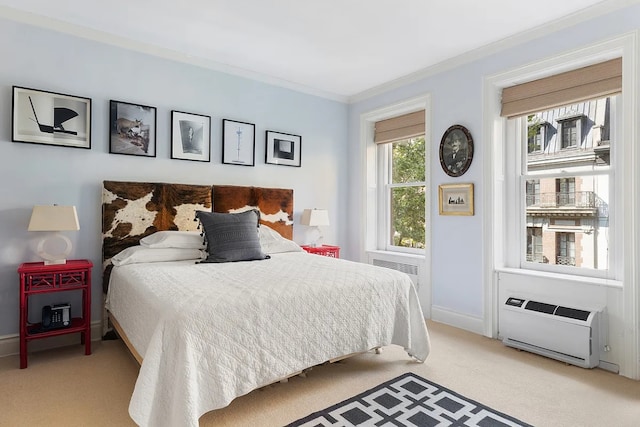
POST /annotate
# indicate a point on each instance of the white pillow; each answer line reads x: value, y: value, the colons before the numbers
x: 174, y: 239
x: 139, y: 254
x: 272, y: 242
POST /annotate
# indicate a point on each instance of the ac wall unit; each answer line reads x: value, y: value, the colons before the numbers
x: 563, y: 333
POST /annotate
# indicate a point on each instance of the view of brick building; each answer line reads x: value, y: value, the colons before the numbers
x: 567, y: 203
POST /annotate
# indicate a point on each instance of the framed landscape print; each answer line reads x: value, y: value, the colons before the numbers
x: 50, y: 118
x: 455, y: 199
x: 238, y: 143
x: 190, y: 136
x: 132, y: 129
x: 456, y: 150
x: 283, y: 149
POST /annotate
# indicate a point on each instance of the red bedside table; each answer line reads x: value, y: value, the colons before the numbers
x: 37, y: 278
x: 325, y: 250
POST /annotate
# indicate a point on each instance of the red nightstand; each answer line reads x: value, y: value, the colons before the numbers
x: 325, y: 250
x: 37, y: 278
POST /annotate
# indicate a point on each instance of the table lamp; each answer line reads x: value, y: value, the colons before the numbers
x: 54, y: 218
x: 315, y: 218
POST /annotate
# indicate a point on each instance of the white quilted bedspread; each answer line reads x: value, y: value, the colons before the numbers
x: 209, y: 333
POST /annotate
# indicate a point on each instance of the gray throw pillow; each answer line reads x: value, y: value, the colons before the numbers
x: 232, y: 237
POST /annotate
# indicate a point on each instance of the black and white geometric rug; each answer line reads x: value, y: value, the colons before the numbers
x: 408, y: 400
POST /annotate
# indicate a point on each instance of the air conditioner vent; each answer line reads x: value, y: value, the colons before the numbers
x: 541, y: 307
x: 568, y: 334
x: 572, y: 313
x: 405, y: 268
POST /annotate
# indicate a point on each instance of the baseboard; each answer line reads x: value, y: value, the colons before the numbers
x: 10, y: 344
x: 461, y: 321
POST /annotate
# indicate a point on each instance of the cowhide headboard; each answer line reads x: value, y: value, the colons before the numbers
x: 275, y: 204
x: 133, y: 210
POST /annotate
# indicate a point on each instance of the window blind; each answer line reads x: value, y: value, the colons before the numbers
x: 593, y: 81
x: 401, y: 127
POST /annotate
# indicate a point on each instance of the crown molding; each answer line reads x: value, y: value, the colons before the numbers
x: 153, y: 50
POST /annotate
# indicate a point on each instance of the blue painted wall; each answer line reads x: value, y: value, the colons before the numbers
x: 39, y: 174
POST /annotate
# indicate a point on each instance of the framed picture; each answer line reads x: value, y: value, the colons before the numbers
x: 238, y: 143
x: 456, y: 150
x: 283, y: 149
x: 190, y: 136
x: 455, y: 199
x: 132, y: 129
x: 50, y: 118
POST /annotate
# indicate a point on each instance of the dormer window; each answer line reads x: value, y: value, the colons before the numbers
x: 570, y: 130
x: 537, y: 137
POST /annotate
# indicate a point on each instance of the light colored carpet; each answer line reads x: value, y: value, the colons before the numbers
x: 63, y: 387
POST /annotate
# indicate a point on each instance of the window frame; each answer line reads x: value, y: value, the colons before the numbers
x: 385, y: 187
x: 368, y: 236
x: 515, y: 213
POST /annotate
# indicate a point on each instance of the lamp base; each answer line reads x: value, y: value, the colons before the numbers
x: 54, y: 259
x: 316, y: 237
x: 55, y: 262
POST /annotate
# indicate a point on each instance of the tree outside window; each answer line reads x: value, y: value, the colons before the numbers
x: 407, y: 193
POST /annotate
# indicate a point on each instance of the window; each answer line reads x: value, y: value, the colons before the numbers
x: 565, y: 248
x: 534, y: 244
x: 566, y: 191
x: 397, y: 215
x: 533, y: 192
x: 404, y: 188
x: 536, y: 133
x: 570, y: 133
x: 567, y: 194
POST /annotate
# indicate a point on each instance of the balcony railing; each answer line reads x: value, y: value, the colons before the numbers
x: 565, y: 260
x: 578, y: 199
x: 539, y: 258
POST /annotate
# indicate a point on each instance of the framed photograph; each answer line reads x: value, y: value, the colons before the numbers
x: 190, y: 136
x: 456, y: 151
x: 283, y: 149
x: 238, y: 143
x: 455, y: 199
x: 132, y: 129
x: 50, y: 118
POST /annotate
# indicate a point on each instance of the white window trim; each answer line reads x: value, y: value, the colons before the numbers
x: 370, y: 226
x: 368, y: 202
x: 494, y: 176
x: 384, y: 224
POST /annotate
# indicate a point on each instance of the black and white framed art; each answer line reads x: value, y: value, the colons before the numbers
x: 283, y: 149
x: 132, y: 129
x: 190, y: 136
x: 50, y: 118
x: 238, y: 143
x: 456, y: 150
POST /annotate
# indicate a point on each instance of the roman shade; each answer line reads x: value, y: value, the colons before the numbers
x: 401, y: 127
x: 593, y: 81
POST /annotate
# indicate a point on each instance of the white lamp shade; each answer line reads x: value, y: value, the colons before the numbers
x: 54, y: 218
x: 315, y: 217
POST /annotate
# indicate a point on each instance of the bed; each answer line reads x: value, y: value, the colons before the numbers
x: 205, y: 331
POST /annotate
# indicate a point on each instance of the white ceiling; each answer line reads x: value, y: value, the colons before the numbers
x: 336, y: 48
